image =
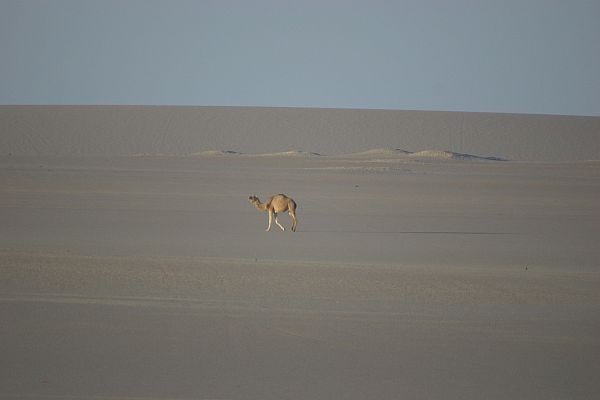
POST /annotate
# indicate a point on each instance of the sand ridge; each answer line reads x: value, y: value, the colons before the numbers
x: 369, y: 154
x: 179, y: 130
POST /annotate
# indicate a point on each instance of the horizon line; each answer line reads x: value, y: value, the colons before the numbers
x: 141, y: 105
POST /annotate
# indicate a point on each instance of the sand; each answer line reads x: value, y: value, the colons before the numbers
x: 126, y: 130
x: 411, y: 276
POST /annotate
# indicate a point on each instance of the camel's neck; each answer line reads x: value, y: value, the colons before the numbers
x: 260, y: 206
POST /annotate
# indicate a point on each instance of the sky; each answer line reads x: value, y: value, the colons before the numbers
x: 516, y: 56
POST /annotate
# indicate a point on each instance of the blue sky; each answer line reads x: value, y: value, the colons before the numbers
x: 524, y: 56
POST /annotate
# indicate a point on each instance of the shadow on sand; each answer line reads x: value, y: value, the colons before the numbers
x: 414, y: 232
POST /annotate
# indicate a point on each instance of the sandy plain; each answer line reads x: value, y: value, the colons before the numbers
x: 409, y: 277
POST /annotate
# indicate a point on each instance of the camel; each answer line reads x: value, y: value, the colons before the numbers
x: 276, y: 204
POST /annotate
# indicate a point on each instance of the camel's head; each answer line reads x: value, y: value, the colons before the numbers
x: 253, y: 199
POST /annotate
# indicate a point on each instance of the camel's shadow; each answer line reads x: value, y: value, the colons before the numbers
x: 412, y: 232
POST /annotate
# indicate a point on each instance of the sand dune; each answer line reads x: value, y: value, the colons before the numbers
x: 215, y: 153
x: 291, y: 153
x: 381, y: 152
x: 373, y: 154
x: 128, y: 130
x: 422, y: 154
x: 451, y: 155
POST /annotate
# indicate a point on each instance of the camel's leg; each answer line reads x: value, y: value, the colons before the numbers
x: 294, y: 220
x: 270, y: 219
x: 278, y: 224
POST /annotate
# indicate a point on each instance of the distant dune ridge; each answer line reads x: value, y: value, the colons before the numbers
x: 372, y: 154
x: 423, y: 154
x: 178, y: 130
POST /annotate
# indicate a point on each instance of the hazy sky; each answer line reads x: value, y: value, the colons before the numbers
x: 526, y: 56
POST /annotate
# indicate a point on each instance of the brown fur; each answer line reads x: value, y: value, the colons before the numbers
x: 276, y: 204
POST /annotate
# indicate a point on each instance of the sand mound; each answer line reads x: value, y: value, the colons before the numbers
x: 450, y: 155
x: 291, y: 153
x: 382, y: 152
x: 215, y: 153
x: 386, y: 153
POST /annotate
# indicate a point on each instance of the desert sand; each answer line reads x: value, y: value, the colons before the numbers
x: 177, y: 130
x: 414, y: 273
